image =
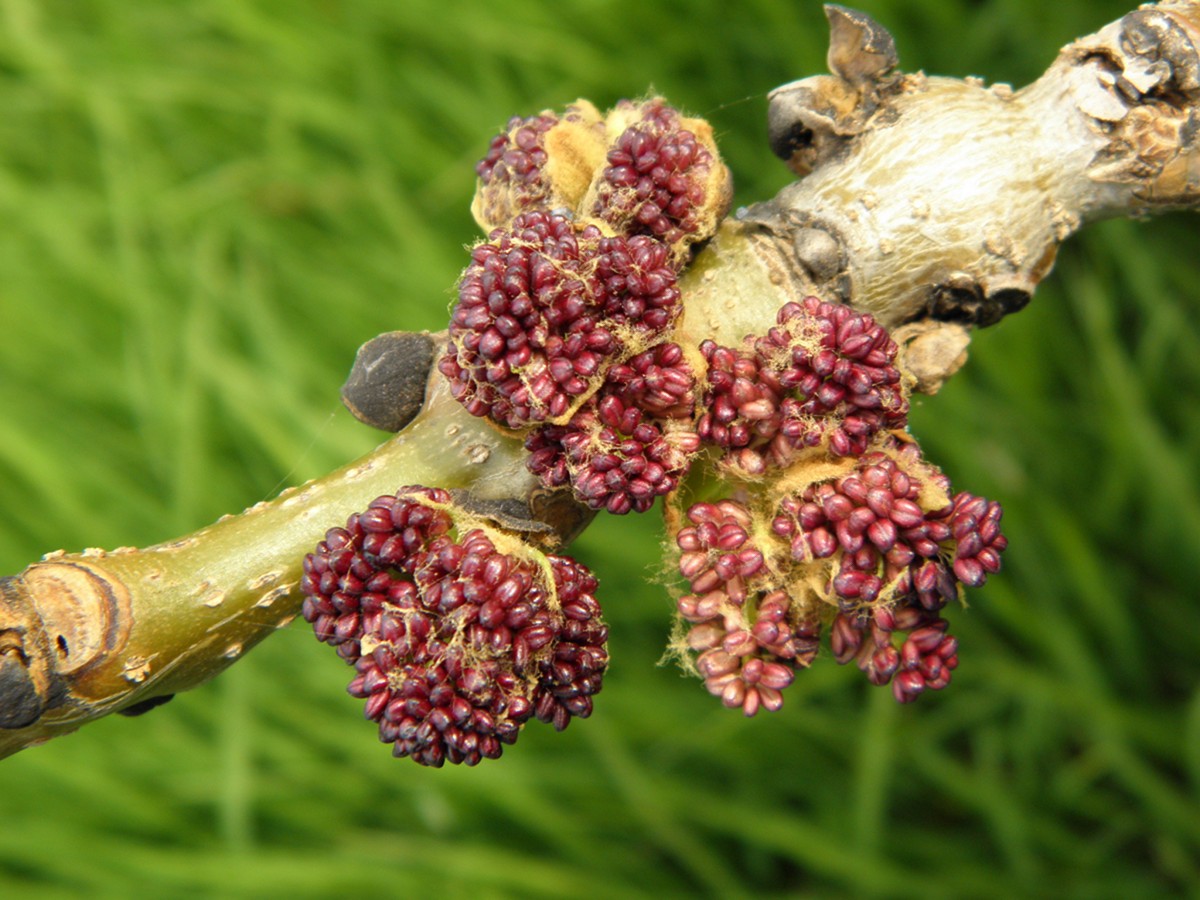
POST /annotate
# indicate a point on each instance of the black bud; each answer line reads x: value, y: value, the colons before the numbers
x: 20, y: 704
x: 145, y: 706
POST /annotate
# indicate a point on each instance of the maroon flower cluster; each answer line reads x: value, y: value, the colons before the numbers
x: 539, y: 163
x: 558, y: 330
x: 874, y: 520
x: 924, y: 661
x: 741, y: 405
x: 823, y: 373
x: 613, y: 456
x: 639, y: 283
x: 561, y: 332
x: 517, y: 158
x: 978, y: 543
x: 658, y: 382
x: 574, y: 670
x: 345, y: 590
x: 890, y: 552
x: 897, y: 563
x: 455, y: 643
x: 750, y: 637
x: 656, y: 181
x: 538, y: 313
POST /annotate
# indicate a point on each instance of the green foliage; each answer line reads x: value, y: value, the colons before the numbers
x: 206, y: 207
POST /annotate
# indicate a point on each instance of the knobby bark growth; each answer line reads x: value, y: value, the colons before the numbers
x: 936, y: 205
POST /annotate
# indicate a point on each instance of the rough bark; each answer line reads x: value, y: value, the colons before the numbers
x: 935, y: 204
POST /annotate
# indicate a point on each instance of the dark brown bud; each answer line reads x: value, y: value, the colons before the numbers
x: 386, y: 386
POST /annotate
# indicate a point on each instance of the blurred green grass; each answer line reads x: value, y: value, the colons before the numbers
x: 206, y: 207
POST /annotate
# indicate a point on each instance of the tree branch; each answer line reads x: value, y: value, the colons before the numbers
x: 934, y: 204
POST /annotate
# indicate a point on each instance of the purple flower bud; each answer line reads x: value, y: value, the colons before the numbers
x: 715, y: 663
x: 908, y: 686
x: 775, y: 676
x: 969, y: 572
x: 844, y: 639
x: 740, y: 643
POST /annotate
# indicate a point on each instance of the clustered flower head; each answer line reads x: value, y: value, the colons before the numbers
x: 613, y: 455
x: 516, y: 159
x: 642, y: 168
x: 456, y: 643
x: 924, y: 660
x: 747, y: 632
x: 823, y: 517
x: 834, y: 518
x: 543, y: 308
x: 661, y: 175
x: 824, y: 373
x: 877, y: 550
x: 897, y: 550
x: 540, y: 162
x: 563, y: 317
x: 563, y: 332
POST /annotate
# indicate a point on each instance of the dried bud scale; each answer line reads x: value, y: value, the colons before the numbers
x: 456, y: 642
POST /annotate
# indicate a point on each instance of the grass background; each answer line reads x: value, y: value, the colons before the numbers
x: 206, y: 207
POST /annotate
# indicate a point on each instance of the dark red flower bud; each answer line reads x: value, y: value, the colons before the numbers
x: 975, y: 526
x: 658, y: 382
x: 841, y: 366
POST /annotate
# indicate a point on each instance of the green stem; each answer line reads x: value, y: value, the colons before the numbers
x: 126, y: 626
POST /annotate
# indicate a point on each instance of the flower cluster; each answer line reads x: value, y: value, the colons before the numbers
x: 613, y: 456
x: 563, y: 333
x: 560, y: 326
x: 897, y: 563
x: 823, y: 373
x: 456, y: 644
x: 884, y: 545
x: 924, y: 660
x: 539, y: 314
x: 540, y: 162
x: 658, y: 382
x: 659, y: 176
x: 750, y: 636
x: 644, y: 168
x: 516, y: 158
